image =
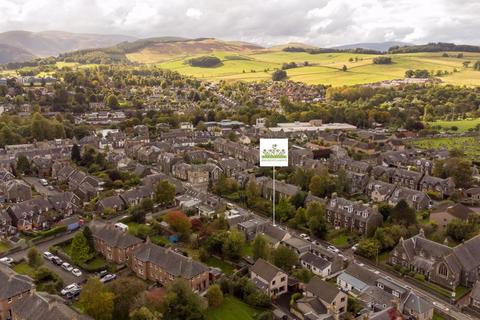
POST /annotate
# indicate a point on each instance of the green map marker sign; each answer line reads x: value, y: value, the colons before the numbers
x: 273, y: 152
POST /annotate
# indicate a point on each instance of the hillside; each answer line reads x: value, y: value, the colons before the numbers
x: 52, y: 43
x: 10, y: 53
x: 157, y: 51
x: 379, y: 46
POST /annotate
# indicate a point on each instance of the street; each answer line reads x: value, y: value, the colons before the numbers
x: 41, y: 189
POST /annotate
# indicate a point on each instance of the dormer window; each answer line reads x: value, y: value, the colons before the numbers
x: 365, y: 214
x: 350, y: 209
x: 415, y: 198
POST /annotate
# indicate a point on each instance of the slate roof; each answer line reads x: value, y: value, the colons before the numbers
x: 274, y: 232
x: 174, y: 263
x: 111, y: 202
x: 314, y: 260
x: 42, y: 306
x: 322, y: 290
x: 416, y: 303
x: 475, y: 294
x: 265, y: 270
x: 113, y: 236
x: 12, y: 284
x: 362, y: 274
x: 468, y: 253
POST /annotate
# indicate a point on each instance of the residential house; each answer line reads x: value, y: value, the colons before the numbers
x: 379, y: 191
x: 438, y: 186
x: 416, y: 307
x: 6, y: 225
x: 163, y: 265
x: 444, y: 214
x: 13, y: 288
x: 334, y: 299
x: 16, y: 191
x: 307, y: 308
x: 356, y: 279
x: 357, y: 182
x: 42, y: 166
x: 472, y: 195
x: 66, y: 203
x: 114, y: 244
x: 317, y: 265
x: 274, y: 234
x: 296, y: 244
x: 353, y: 216
x: 474, y: 299
x: 416, y: 199
x: 113, y: 202
x: 282, y: 189
x: 269, y: 278
x: 251, y: 228
x: 406, y: 178
x: 136, y: 195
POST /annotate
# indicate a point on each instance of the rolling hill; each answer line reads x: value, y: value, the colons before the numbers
x: 379, y: 46
x: 10, y: 53
x: 52, y: 43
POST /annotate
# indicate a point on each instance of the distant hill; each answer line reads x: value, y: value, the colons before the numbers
x: 434, y: 47
x: 10, y: 53
x: 378, y: 46
x: 52, y: 43
x: 292, y: 45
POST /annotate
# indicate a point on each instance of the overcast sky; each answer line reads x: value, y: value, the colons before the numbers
x: 266, y: 22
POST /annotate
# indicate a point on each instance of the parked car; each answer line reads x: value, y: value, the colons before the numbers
x: 77, y: 272
x: 73, y: 293
x: 57, y: 260
x: 108, y: 278
x: 47, y: 255
x: 343, y: 257
x: 70, y: 288
x: 67, y: 266
x: 303, y: 235
x: 333, y: 249
x: 43, y: 182
x: 355, y: 247
x: 102, y: 273
x: 6, y: 260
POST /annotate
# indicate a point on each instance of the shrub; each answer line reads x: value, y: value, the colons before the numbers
x: 382, y: 60
x: 205, y: 62
x: 419, y: 277
x: 279, y: 75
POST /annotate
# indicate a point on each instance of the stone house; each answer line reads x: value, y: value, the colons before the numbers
x: 333, y: 299
x: 441, y: 187
x: 14, y: 288
x: 317, y: 265
x: 162, y: 265
x: 16, y: 191
x: 136, y: 195
x: 379, y: 191
x: 114, y: 202
x: 282, y: 189
x: 269, y: 278
x: 406, y: 178
x: 415, y: 199
x: 444, y: 214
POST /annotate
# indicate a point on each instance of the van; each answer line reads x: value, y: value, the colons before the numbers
x: 43, y: 182
x: 121, y: 226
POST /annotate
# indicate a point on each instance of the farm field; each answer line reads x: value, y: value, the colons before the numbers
x: 324, y: 68
x: 462, y: 125
x: 469, y: 145
x: 232, y: 309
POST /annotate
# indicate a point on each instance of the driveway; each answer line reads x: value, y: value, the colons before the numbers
x: 43, y: 190
x: 66, y: 276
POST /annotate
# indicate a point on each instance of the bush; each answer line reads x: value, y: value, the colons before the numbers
x: 279, y: 75
x: 419, y: 277
x: 48, y: 233
x: 382, y: 60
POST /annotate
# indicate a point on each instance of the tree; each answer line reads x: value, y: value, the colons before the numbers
x: 459, y: 169
x: 225, y: 186
x: 23, y: 165
x: 234, y: 245
x: 279, y: 75
x: 285, y: 210
x: 96, y: 300
x: 143, y: 313
x: 460, y: 230
x: 126, y: 290
x: 252, y: 193
x: 318, y: 226
x: 76, y: 154
x: 165, y: 192
x: 466, y: 64
x: 87, y: 232
x: 303, y: 274
x: 80, y: 249
x: 214, y: 296
x: 402, y: 213
x: 181, y: 303
x: 178, y: 221
x: 298, y: 199
x: 322, y: 184
x: 260, y: 248
x: 112, y: 102
x: 34, y: 258
x: 137, y: 213
x: 284, y: 258
x: 368, y: 248
x: 344, y: 68
x: 476, y: 65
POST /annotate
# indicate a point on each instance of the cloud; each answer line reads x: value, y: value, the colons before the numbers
x: 194, y: 13
x: 267, y: 22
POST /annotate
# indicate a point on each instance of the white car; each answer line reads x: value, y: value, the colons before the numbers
x: 69, y: 288
x: 47, y: 255
x: 355, y: 247
x: 108, y: 278
x: 6, y: 260
x: 67, y: 266
x: 343, y: 257
x: 303, y: 235
x: 333, y: 249
x: 77, y: 272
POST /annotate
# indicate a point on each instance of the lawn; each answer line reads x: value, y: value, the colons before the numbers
x: 462, y: 125
x: 24, y: 268
x: 233, y: 309
x: 217, y: 263
x: 339, y: 238
x: 469, y: 145
x: 3, y: 246
x: 324, y: 68
x: 96, y: 264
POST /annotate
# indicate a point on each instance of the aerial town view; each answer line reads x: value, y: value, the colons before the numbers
x: 239, y: 160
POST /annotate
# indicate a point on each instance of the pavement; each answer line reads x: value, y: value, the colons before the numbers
x: 41, y: 189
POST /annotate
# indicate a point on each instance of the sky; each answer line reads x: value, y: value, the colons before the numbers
x: 321, y: 23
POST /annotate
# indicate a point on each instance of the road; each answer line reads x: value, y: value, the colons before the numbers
x: 41, y: 189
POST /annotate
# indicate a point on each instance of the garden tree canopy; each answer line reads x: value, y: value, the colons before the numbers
x: 252, y: 192
x: 260, y: 248
x: 76, y: 155
x: 87, y: 232
x: 368, y: 248
x: 126, y: 290
x: 143, y: 313
x: 284, y: 258
x: 322, y: 184
x: 34, y: 258
x: 214, y: 296
x: 234, y: 245
x: 112, y: 102
x: 402, y: 213
x: 165, y: 192
x: 389, y: 235
x: 279, y: 75
x: 80, y: 249
x: 460, y: 230
x: 225, y: 186
x: 23, y: 165
x: 285, y: 210
x: 460, y: 169
x: 96, y: 300
x: 178, y: 221
x: 181, y: 303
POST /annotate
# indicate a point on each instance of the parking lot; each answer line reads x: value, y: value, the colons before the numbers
x: 67, y: 276
x: 41, y: 189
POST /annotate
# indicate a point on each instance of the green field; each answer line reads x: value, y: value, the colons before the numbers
x: 24, y: 268
x: 233, y: 309
x: 469, y: 145
x: 324, y: 68
x: 462, y: 125
x: 3, y: 246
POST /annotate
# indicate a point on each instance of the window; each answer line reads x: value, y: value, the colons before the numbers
x: 380, y: 285
x: 343, y: 299
x: 10, y: 300
x: 396, y: 294
x: 443, y: 270
x: 283, y: 279
x: 273, y: 282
